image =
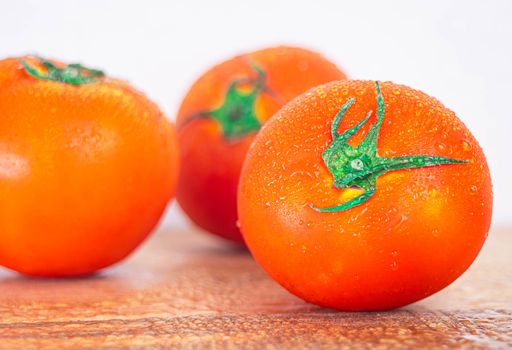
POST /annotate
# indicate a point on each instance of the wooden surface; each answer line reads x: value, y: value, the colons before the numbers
x: 188, y: 290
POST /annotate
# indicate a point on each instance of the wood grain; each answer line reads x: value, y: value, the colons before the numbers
x: 189, y: 290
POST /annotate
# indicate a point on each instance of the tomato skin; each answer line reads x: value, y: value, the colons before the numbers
x: 211, y: 164
x: 85, y: 172
x: 209, y: 179
x: 419, y: 232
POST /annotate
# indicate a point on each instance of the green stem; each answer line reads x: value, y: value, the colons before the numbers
x: 73, y: 74
x: 237, y: 115
x: 359, y: 166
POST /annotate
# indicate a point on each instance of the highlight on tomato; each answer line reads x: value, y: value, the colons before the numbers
x: 221, y: 114
x: 360, y: 195
x: 87, y: 166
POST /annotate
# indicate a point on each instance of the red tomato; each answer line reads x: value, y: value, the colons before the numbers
x: 219, y: 118
x: 87, y: 166
x: 366, y: 219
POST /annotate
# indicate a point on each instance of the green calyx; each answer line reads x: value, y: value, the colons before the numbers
x: 359, y: 166
x: 74, y: 74
x: 237, y: 115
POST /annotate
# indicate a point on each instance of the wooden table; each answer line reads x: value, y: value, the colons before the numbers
x: 186, y: 289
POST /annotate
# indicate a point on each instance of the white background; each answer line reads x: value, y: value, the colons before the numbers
x: 457, y: 51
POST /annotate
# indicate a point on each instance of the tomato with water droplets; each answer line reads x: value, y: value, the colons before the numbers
x: 365, y: 196
x: 87, y: 166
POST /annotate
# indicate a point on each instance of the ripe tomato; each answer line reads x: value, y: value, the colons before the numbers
x: 87, y: 166
x: 365, y: 219
x: 219, y: 117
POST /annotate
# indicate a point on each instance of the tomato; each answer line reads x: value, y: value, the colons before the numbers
x: 87, y: 166
x: 219, y: 118
x: 359, y: 211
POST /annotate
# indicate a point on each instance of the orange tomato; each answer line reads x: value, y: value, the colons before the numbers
x: 87, y: 166
x: 221, y: 114
x: 366, y: 219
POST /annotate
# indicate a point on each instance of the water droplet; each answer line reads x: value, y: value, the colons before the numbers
x: 301, y: 222
x: 394, y: 253
x: 466, y: 146
x: 474, y: 188
x: 435, y: 232
x: 440, y: 147
x: 393, y: 266
x: 238, y: 223
x: 403, y: 218
x: 396, y: 92
x: 267, y: 204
